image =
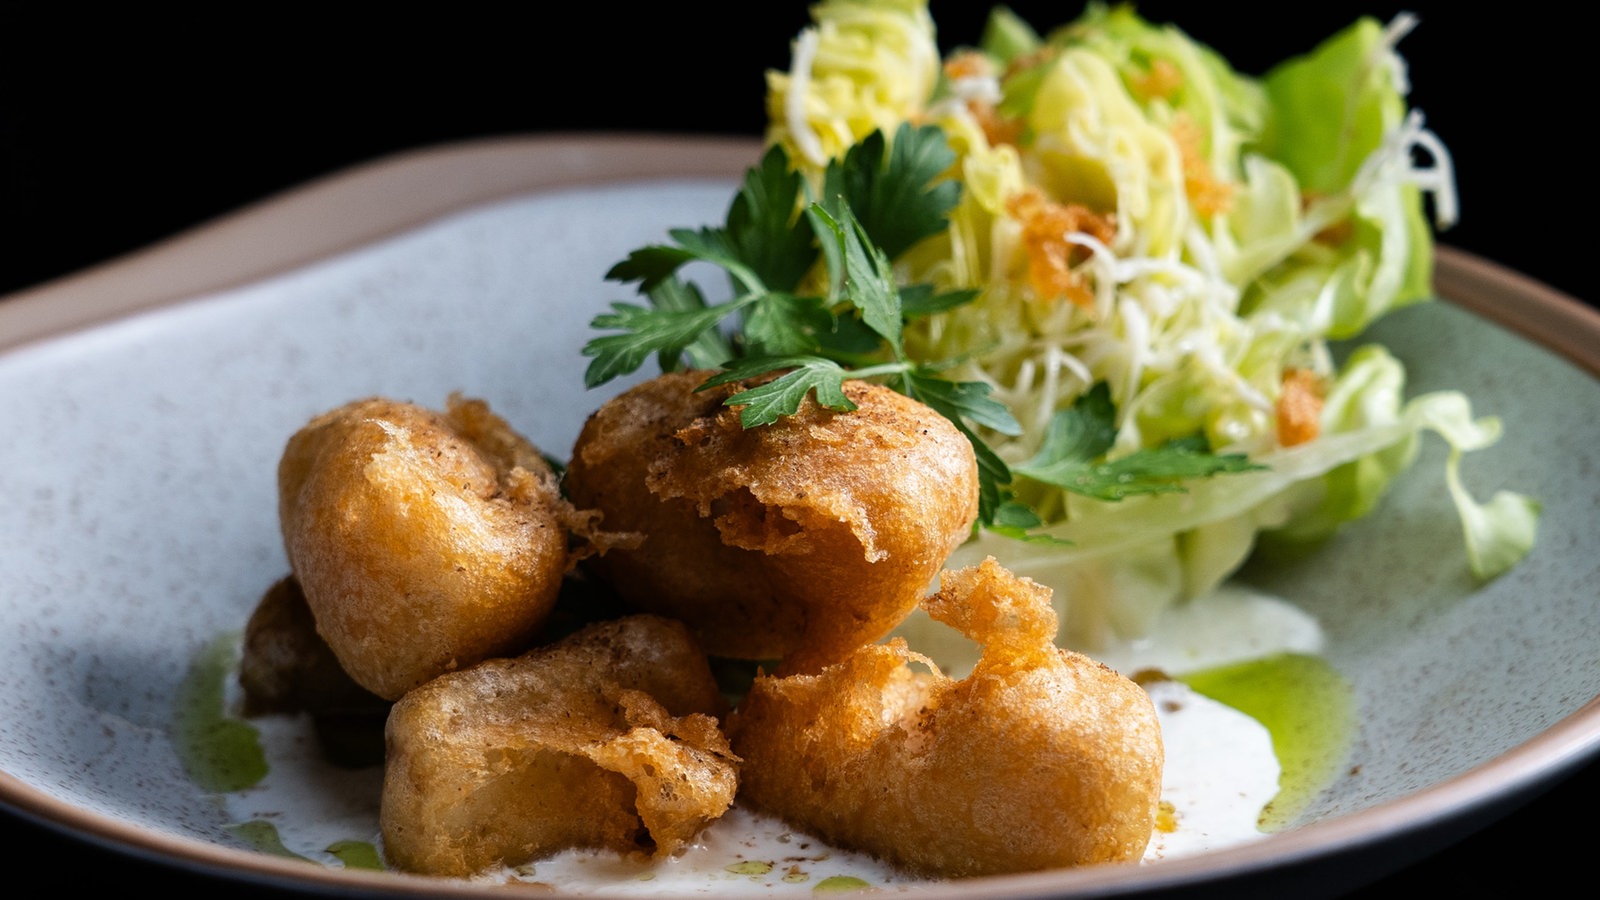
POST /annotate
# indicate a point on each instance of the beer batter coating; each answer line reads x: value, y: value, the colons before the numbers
x: 800, y: 540
x: 1041, y: 758
x: 608, y: 738
x: 424, y: 541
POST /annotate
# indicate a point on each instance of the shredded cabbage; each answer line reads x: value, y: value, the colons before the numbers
x: 1136, y: 213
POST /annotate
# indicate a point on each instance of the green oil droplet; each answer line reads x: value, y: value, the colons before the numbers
x: 357, y: 855
x: 220, y: 753
x: 263, y: 836
x: 1307, y: 707
x: 840, y: 883
x: 752, y: 867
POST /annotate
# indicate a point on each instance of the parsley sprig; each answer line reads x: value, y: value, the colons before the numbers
x: 878, y: 201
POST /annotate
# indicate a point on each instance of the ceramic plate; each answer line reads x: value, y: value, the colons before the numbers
x: 146, y: 404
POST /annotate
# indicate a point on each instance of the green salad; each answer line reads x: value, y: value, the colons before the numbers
x: 1119, y: 265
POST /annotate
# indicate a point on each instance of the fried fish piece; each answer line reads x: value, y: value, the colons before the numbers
x: 609, y: 738
x: 286, y: 667
x: 1041, y: 758
x: 802, y: 539
x: 424, y: 541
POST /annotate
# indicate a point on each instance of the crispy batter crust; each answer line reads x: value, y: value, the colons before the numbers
x: 608, y: 738
x: 285, y: 666
x: 424, y: 541
x: 1041, y: 758
x: 802, y: 539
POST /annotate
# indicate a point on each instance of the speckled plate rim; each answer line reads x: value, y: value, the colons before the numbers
x: 391, y: 195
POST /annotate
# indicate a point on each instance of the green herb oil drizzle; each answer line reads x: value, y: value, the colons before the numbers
x: 1307, y: 707
x: 221, y: 753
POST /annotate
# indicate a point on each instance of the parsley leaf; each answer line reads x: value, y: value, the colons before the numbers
x: 784, y: 324
x: 646, y: 332
x: 710, y: 348
x: 767, y: 245
x: 964, y: 403
x: 963, y: 400
x: 1072, y: 456
x: 1017, y: 521
x: 902, y: 202
x: 762, y: 226
x: 862, y: 273
x: 780, y: 397
x: 920, y: 300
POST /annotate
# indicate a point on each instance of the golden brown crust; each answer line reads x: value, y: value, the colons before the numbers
x: 802, y: 539
x: 609, y: 738
x: 1041, y: 758
x: 286, y: 667
x: 424, y: 541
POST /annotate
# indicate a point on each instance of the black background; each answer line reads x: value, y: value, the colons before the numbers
x: 120, y: 128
